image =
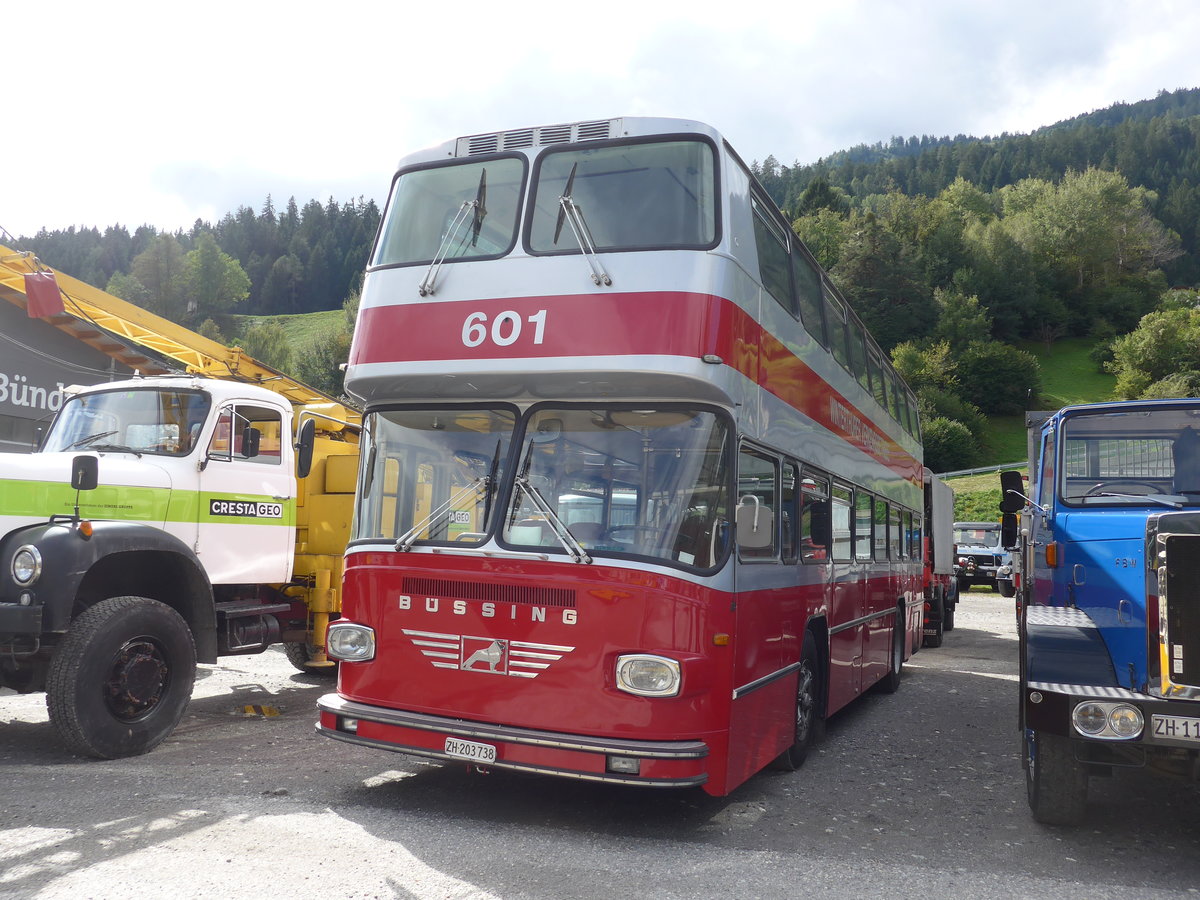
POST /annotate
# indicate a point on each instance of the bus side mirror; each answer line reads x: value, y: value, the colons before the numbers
x: 1012, y: 492
x: 304, y: 447
x: 85, y: 473
x: 1008, y: 531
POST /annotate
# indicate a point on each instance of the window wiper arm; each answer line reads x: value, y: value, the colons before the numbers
x: 84, y: 441
x: 118, y: 447
x: 568, y: 541
x: 570, y: 212
x: 1170, y: 500
x: 471, y: 210
x: 405, y: 541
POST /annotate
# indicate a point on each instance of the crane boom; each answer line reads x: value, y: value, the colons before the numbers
x: 94, y: 316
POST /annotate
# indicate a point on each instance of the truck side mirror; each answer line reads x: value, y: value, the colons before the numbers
x: 251, y: 438
x: 1008, y: 531
x: 85, y: 473
x: 1012, y: 492
x: 304, y: 447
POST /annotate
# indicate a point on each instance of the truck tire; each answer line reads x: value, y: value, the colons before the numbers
x: 948, y: 613
x: 300, y: 654
x: 1055, y: 782
x: 1007, y: 589
x: 964, y: 586
x: 119, y: 682
x: 809, y: 723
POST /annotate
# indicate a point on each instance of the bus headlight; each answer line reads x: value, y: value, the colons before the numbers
x: 647, y: 675
x: 350, y: 642
x: 26, y: 565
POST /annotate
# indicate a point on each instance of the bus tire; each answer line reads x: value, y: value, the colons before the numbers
x: 1055, y: 782
x: 808, y: 721
x: 122, y: 677
x: 890, y: 683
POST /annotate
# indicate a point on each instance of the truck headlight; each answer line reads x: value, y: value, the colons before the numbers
x: 26, y: 565
x: 1107, y: 720
x: 350, y: 642
x: 647, y: 675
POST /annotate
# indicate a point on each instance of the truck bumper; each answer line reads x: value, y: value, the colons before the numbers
x: 16, y: 620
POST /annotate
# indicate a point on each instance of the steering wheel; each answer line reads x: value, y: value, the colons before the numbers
x: 1095, y: 488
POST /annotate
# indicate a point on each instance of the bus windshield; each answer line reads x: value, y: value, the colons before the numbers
x: 647, y: 482
x: 460, y: 211
x: 630, y: 196
x: 163, y: 422
x: 1141, y: 457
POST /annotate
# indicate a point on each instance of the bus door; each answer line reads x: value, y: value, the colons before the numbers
x: 846, y: 603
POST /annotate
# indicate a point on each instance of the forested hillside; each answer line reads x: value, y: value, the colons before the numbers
x: 953, y: 251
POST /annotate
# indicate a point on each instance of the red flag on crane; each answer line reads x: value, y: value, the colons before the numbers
x: 42, y: 295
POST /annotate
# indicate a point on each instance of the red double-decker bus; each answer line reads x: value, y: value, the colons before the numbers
x: 640, y: 499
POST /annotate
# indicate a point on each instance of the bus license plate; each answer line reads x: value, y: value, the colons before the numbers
x: 1177, y: 727
x: 469, y: 750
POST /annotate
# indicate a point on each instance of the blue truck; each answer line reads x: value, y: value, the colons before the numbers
x: 1109, y: 625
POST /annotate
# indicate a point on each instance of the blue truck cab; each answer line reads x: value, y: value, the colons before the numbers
x: 1110, y: 607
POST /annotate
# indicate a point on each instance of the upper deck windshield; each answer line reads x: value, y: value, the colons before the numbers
x: 141, y: 420
x: 466, y: 210
x: 643, y: 195
x: 644, y: 482
x: 1143, y: 457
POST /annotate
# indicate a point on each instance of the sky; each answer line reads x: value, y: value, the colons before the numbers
x: 150, y: 113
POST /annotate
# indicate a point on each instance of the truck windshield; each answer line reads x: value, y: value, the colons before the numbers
x: 1144, y: 457
x: 459, y: 211
x: 644, y: 482
x: 162, y: 422
x: 977, y: 537
x: 431, y: 475
x: 628, y: 196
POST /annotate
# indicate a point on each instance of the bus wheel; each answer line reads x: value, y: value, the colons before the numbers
x: 121, y: 679
x: 1055, y: 782
x: 808, y: 710
x: 890, y: 683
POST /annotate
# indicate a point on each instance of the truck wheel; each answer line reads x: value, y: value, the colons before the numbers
x: 964, y: 586
x: 808, y: 710
x: 890, y: 683
x: 1055, y: 782
x: 948, y: 616
x: 299, y: 654
x: 1007, y: 589
x: 939, y: 610
x: 121, y: 679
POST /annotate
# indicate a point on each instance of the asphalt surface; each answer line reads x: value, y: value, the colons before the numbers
x: 919, y: 794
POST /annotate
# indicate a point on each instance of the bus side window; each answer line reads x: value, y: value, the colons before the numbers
x: 841, y: 533
x: 815, y: 520
x: 862, y: 525
x: 757, y: 501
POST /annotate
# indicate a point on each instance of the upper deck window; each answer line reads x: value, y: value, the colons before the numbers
x: 1146, y: 457
x: 471, y: 208
x: 634, y: 196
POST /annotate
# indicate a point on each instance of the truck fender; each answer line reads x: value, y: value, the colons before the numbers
x: 116, y: 559
x: 1064, y: 646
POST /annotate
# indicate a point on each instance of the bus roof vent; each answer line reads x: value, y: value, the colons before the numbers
x: 536, y: 137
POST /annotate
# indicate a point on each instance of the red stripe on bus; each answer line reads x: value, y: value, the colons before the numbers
x: 650, y: 323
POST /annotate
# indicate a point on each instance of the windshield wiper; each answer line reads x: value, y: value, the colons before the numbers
x: 118, y: 447
x: 572, y: 546
x: 472, y: 210
x: 406, y: 540
x: 83, y: 441
x: 570, y: 212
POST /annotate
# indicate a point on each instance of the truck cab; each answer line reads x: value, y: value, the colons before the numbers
x: 160, y: 524
x: 1109, y: 629
x: 979, y: 558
